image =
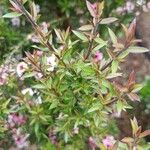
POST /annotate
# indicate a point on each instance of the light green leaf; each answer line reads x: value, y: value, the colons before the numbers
x: 137, y: 49
x: 98, y: 47
x: 80, y: 35
x: 108, y: 20
x: 112, y: 36
x: 86, y: 27
x: 40, y: 48
x: 94, y: 108
x: 12, y: 15
x: 114, y: 66
x: 123, y: 55
x: 39, y: 86
x: 113, y: 75
x: 100, y: 41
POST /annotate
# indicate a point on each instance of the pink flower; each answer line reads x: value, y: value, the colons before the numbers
x: 148, y: 5
x: 15, y: 22
x: 44, y: 28
x: 130, y: 6
x: 3, y: 79
x: 38, y: 75
x: 98, y: 57
x: 92, y: 143
x: 15, y: 119
x: 20, y: 139
x: 21, y: 68
x: 109, y: 141
x: 120, y: 10
x: 52, y: 137
x: 39, y: 53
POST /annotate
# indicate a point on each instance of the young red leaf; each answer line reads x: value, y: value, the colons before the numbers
x: 131, y: 80
x: 15, y: 7
x: 131, y: 31
x: 133, y: 97
x: 90, y: 8
x: 144, y: 134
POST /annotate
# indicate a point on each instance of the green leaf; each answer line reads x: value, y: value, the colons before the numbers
x: 39, y: 86
x: 49, y: 146
x: 28, y: 75
x: 134, y: 125
x: 114, y: 66
x: 86, y: 27
x: 12, y: 15
x: 137, y: 49
x: 123, y: 55
x: 24, y: 1
x: 36, y: 129
x: 108, y: 20
x: 112, y: 36
x: 80, y: 35
x: 100, y: 41
x: 40, y: 48
x: 94, y: 108
x: 98, y: 47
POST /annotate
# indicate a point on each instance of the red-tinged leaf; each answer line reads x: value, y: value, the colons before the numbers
x: 15, y: 6
x: 127, y: 140
x: 133, y: 97
x: 131, y: 80
x: 100, y: 7
x: 108, y: 20
x: 144, y: 134
x: 90, y: 8
x: 120, y: 87
x: 131, y: 31
x: 138, y: 131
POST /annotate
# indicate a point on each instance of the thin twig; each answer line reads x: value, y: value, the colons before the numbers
x: 34, y: 24
x: 37, y: 29
x: 91, y: 43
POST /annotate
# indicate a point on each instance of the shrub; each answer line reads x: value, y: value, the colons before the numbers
x: 64, y: 94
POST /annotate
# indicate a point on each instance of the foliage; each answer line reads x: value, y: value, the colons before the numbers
x: 63, y: 95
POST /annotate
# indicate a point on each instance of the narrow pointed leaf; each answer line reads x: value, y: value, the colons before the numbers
x: 108, y: 20
x: 80, y: 35
x: 12, y: 15
x: 137, y: 49
x: 112, y: 36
